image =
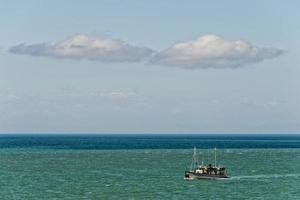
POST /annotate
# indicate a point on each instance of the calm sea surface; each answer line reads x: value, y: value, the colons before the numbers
x: 147, y: 166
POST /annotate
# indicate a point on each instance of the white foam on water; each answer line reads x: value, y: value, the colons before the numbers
x: 188, y: 178
x: 264, y: 176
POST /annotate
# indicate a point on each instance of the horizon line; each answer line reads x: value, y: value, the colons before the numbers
x: 150, y: 133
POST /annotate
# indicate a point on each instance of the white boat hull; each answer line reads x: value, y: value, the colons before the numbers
x: 192, y: 175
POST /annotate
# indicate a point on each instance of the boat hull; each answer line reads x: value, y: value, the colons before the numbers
x: 193, y: 175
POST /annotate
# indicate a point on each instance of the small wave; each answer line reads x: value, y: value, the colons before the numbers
x: 264, y: 176
x: 112, y: 174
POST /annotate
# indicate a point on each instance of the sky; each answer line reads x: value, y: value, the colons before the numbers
x: 149, y: 66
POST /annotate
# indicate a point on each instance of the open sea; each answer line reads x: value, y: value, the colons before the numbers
x: 147, y: 166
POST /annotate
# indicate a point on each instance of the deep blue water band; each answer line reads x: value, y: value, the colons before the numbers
x: 148, y: 141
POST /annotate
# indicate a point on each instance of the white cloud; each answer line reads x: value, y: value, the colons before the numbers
x: 8, y: 97
x: 83, y: 46
x: 118, y: 94
x: 211, y: 51
x: 208, y: 51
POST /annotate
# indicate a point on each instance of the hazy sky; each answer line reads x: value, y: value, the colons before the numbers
x: 149, y: 66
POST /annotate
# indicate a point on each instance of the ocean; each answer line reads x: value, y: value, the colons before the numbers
x: 132, y: 166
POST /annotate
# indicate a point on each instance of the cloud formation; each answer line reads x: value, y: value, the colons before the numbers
x: 83, y: 46
x: 101, y: 94
x: 208, y: 51
x: 211, y: 51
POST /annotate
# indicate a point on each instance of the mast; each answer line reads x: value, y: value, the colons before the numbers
x: 207, y: 156
x: 194, y: 160
x: 215, y: 157
x: 200, y: 158
x: 195, y: 157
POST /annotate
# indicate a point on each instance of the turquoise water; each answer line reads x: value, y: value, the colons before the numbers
x: 46, y: 172
x: 145, y: 174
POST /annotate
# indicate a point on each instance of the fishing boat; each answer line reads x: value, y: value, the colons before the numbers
x: 209, y: 171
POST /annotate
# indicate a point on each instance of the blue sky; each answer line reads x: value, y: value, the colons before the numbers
x: 149, y: 66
